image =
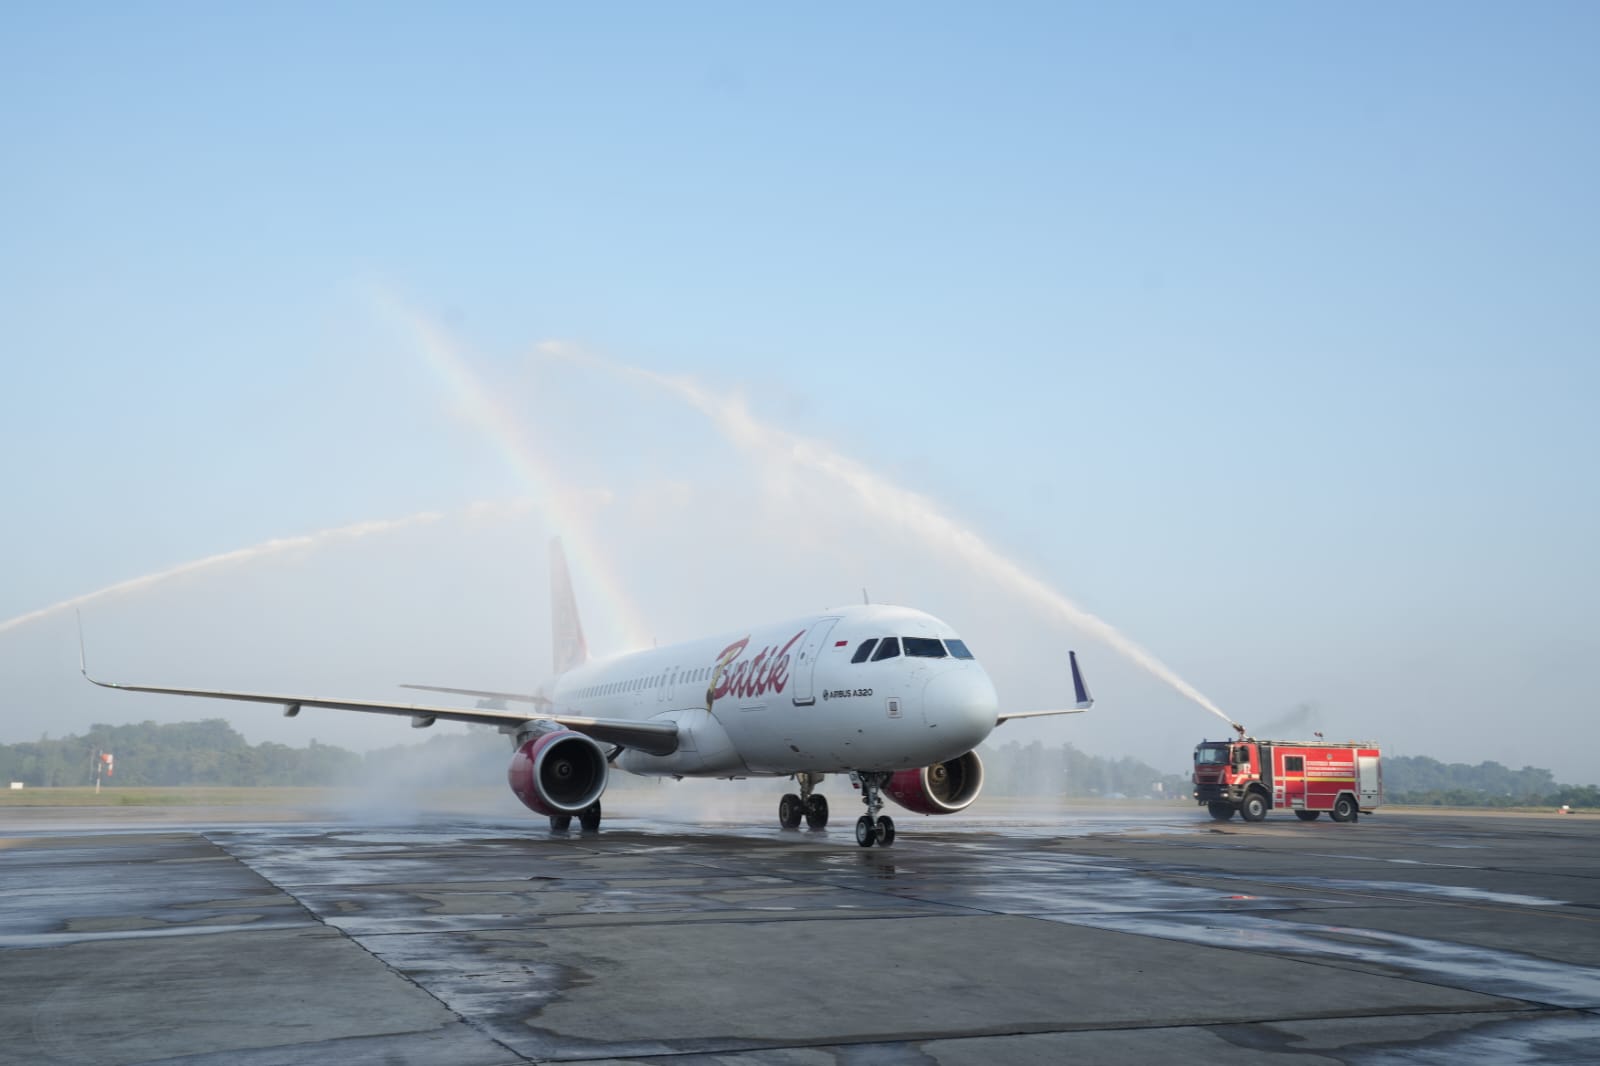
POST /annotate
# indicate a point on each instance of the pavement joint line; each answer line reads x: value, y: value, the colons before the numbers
x: 1347, y: 965
x: 764, y: 919
x: 1415, y: 899
x: 1045, y: 1029
x: 340, y: 932
x: 1123, y: 866
x: 706, y: 863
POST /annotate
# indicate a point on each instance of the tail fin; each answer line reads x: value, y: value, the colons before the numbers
x: 570, y: 647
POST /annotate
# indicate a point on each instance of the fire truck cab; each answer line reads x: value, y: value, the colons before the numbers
x: 1306, y: 776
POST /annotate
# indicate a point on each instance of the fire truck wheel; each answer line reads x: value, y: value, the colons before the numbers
x: 1220, y: 811
x: 1307, y: 816
x: 1253, y: 808
x: 1344, y: 810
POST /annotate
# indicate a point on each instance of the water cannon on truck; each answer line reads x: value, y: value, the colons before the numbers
x: 1252, y: 777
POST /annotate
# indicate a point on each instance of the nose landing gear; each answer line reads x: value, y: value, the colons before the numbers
x: 872, y: 828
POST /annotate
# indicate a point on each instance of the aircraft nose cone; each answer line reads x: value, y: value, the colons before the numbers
x: 963, y: 705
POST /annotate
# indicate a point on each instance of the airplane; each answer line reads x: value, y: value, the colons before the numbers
x: 890, y: 696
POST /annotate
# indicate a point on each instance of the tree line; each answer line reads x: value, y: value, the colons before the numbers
x: 1040, y: 771
x: 1419, y: 780
x: 209, y: 752
x: 212, y: 752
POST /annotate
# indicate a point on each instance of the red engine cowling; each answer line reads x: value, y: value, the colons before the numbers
x: 943, y: 788
x: 558, y: 773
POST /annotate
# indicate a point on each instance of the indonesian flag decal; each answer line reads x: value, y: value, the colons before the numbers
x: 106, y: 757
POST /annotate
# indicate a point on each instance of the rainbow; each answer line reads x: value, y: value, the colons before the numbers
x: 622, y: 628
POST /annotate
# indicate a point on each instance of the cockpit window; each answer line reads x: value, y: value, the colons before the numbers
x: 958, y: 648
x: 865, y: 650
x: 1211, y: 754
x: 923, y: 647
x: 887, y: 650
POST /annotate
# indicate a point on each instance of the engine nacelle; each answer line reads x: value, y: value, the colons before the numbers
x: 943, y: 788
x: 560, y: 772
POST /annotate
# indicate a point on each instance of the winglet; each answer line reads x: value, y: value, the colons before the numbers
x: 1080, y: 691
x: 83, y: 659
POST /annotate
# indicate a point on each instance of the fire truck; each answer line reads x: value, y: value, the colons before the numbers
x: 1306, y: 776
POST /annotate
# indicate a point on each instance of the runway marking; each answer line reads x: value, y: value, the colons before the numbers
x: 1488, y: 971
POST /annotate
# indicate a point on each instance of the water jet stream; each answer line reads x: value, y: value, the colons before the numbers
x: 888, y: 503
x: 271, y: 547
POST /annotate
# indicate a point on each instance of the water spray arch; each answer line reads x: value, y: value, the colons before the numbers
x: 887, y: 503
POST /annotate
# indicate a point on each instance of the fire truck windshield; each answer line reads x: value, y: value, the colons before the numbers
x: 1211, y: 754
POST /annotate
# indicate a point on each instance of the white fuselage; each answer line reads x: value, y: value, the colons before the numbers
x: 787, y: 698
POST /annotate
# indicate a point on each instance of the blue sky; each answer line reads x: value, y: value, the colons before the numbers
x: 1267, y: 332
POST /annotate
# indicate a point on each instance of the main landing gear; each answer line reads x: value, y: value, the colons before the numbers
x: 588, y: 820
x: 872, y: 828
x: 812, y: 807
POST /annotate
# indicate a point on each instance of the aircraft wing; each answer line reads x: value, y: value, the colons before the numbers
x: 1080, y: 692
x: 484, y: 694
x: 656, y: 738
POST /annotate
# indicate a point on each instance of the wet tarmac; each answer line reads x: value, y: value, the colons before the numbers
x: 1087, y: 935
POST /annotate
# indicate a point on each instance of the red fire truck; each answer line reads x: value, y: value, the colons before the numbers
x: 1306, y: 776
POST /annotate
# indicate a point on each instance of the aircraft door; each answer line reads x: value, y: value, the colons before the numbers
x: 805, y: 661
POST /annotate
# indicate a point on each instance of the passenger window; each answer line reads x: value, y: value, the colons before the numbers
x: 923, y: 647
x: 865, y: 650
x: 958, y: 648
x: 887, y: 650
x: 1294, y: 764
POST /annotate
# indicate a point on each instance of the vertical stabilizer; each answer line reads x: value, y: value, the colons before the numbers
x: 570, y: 647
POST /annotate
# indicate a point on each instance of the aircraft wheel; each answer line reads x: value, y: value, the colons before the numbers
x: 817, y: 812
x: 1220, y: 811
x: 1344, y: 810
x: 789, y: 811
x: 885, y: 831
x: 560, y: 823
x: 1254, y: 807
x: 866, y: 832
x: 589, y: 818
x: 1307, y: 816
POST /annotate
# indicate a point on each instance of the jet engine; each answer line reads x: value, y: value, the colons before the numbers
x: 943, y: 788
x: 560, y: 772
